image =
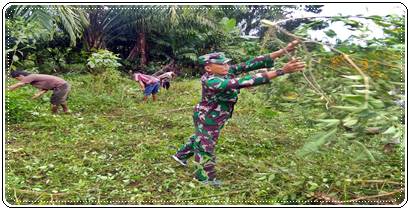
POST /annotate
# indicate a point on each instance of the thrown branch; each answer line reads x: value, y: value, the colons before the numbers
x: 345, y: 56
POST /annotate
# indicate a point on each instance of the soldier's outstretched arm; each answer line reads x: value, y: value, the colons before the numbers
x: 219, y: 84
x: 263, y: 61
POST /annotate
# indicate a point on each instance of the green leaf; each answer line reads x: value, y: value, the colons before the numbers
x: 169, y: 171
x: 313, y: 186
x: 267, y: 112
x: 330, y: 33
x: 9, y: 50
x: 360, y: 86
x: 350, y: 135
x: 328, y: 122
x: 349, y: 108
x: 317, y: 24
x: 192, y: 185
x: 390, y: 130
x: 365, y: 91
x: 231, y: 23
x: 267, y: 23
x: 375, y: 17
x: 356, y: 99
x: 353, y: 77
x: 228, y: 24
x: 350, y: 121
x: 314, y: 145
x: 336, y: 18
x: 43, y: 167
x: 352, y: 23
x: 378, y: 104
x: 15, y: 58
x: 271, y: 177
x: 366, y: 151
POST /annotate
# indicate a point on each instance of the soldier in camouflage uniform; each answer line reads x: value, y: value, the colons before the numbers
x: 220, y: 88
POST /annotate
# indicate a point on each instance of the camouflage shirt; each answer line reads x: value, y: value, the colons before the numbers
x: 220, y: 93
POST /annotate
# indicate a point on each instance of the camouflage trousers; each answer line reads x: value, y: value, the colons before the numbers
x: 201, y: 145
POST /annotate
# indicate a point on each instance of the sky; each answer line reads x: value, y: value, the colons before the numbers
x: 366, y: 9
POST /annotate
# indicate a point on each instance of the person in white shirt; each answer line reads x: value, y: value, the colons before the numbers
x: 166, y: 78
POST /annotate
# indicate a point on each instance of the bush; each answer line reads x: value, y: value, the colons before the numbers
x: 75, y: 68
x: 101, y: 61
x: 18, y: 107
x: 48, y: 67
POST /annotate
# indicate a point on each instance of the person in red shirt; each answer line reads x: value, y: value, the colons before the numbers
x: 149, y: 84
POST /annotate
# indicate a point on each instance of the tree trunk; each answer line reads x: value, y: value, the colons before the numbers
x: 143, y: 48
x: 94, y: 35
x: 134, y: 52
x: 94, y: 40
x: 140, y: 48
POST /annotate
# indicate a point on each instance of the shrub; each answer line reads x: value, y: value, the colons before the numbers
x: 75, y: 68
x: 101, y: 61
x: 18, y: 107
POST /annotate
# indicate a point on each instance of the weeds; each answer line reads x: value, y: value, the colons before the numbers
x: 114, y: 149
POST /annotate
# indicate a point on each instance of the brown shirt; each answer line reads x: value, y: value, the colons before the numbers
x: 43, y: 81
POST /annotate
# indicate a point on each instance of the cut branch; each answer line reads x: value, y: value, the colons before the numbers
x: 375, y: 196
x: 312, y: 82
x: 378, y: 181
x: 365, y: 78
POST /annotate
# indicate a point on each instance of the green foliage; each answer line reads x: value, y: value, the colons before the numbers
x: 251, y: 49
x: 111, y: 145
x: 393, y: 26
x: 228, y: 25
x: 101, y: 61
x: 353, y: 114
x: 315, y: 143
x: 22, y: 36
x: 53, y: 60
x: 19, y: 107
x: 286, y: 145
x: 75, y: 68
x: 70, y: 19
x: 50, y: 61
x: 330, y: 33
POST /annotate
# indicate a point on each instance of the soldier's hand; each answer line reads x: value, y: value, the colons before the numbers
x: 293, y: 66
x: 292, y: 45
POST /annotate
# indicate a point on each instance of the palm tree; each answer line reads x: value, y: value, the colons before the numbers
x: 71, y: 19
x: 110, y: 25
x: 148, y: 20
x: 104, y: 26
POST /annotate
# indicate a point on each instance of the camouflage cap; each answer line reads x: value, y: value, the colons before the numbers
x: 216, y: 57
